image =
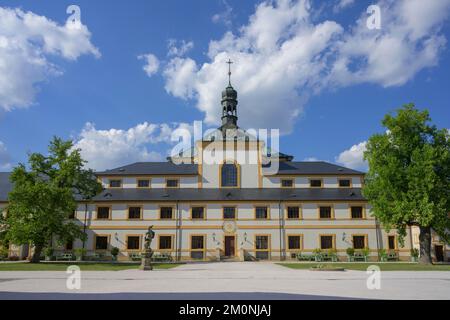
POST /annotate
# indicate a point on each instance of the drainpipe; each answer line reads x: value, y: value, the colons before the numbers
x: 177, y: 234
x: 280, y: 221
x: 85, y: 223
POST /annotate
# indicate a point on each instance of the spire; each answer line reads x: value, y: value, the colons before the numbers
x: 229, y: 71
x: 229, y: 102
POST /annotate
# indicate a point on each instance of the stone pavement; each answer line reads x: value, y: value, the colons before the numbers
x: 230, y: 280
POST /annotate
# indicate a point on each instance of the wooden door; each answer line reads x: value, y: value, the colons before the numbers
x: 229, y: 246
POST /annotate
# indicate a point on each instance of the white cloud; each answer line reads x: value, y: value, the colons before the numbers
x: 151, y: 65
x: 283, y: 56
x: 343, y: 4
x: 179, y: 48
x: 106, y: 149
x: 225, y: 16
x: 353, y: 157
x: 5, y: 158
x: 311, y: 159
x: 27, y: 43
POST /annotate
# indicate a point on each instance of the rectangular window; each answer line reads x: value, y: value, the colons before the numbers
x: 326, y: 242
x: 357, y: 212
x: 198, y: 212
x: 294, y: 242
x: 315, y: 183
x: 262, y: 247
x: 325, y: 212
x: 344, y: 183
x: 197, y: 247
x: 166, y: 213
x: 261, y: 213
x: 101, y: 243
x: 359, y: 242
x: 69, y: 245
x: 103, y: 213
x: 229, y: 213
x: 133, y: 242
x: 134, y: 212
x: 165, y: 242
x: 287, y: 183
x: 143, y: 183
x: 172, y: 183
x: 116, y: 183
x: 391, y: 242
x: 293, y: 212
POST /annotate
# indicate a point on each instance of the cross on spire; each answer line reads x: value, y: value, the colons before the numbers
x: 229, y: 62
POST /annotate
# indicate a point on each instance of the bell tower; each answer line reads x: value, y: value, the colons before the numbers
x: 229, y: 103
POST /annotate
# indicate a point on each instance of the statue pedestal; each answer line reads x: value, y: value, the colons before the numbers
x: 146, y: 263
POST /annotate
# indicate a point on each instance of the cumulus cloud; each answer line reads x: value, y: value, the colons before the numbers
x: 151, y: 65
x: 225, y: 16
x: 27, y: 43
x: 178, y: 48
x: 343, y: 4
x: 353, y: 157
x: 283, y: 55
x: 5, y: 158
x: 111, y: 148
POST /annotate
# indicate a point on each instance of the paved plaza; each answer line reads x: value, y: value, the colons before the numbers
x: 231, y: 280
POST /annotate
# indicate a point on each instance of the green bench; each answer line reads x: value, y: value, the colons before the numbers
x: 135, y: 256
x: 66, y: 257
x: 358, y: 256
x: 326, y: 257
x: 161, y: 257
x: 392, y: 256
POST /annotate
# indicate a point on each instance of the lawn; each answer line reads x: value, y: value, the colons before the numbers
x: 24, y: 266
x: 392, y: 266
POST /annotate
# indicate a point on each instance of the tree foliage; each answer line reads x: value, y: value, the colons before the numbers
x: 408, y: 182
x: 44, y: 196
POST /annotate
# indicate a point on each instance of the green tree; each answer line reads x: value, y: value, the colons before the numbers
x: 408, y: 183
x: 45, y: 194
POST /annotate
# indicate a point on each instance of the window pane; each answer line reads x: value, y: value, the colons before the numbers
x: 198, y: 213
x: 261, y: 212
x: 325, y: 212
x: 165, y: 242
x: 115, y: 183
x: 229, y: 175
x: 316, y: 183
x: 293, y: 212
x: 101, y: 243
x: 166, y: 212
x: 262, y: 242
x: 143, y: 183
x: 133, y: 243
x: 344, y: 183
x: 326, y: 242
x: 287, y: 183
x: 197, y: 242
x: 391, y: 242
x: 294, y: 242
x: 359, y: 242
x: 134, y: 212
x: 357, y: 212
x: 103, y: 213
x: 229, y: 212
x: 172, y: 183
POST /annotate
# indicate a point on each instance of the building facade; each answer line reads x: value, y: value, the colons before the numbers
x: 228, y: 198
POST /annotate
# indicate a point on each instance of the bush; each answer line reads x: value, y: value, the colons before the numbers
x: 4, y: 253
x: 317, y: 251
x: 332, y: 251
x: 366, y: 252
x: 80, y: 252
x: 48, y: 252
x: 350, y: 251
x: 14, y: 258
x: 382, y: 253
x: 414, y: 253
x: 115, y: 251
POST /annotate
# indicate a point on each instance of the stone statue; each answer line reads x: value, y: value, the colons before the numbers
x: 146, y: 263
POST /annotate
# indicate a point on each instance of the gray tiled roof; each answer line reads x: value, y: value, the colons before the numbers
x: 159, y: 168
x: 5, y: 185
x: 314, y: 167
x: 247, y: 194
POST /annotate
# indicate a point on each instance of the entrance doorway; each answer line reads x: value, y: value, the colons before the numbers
x: 230, y: 246
x: 439, y: 253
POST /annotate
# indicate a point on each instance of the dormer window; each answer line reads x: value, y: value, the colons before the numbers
x: 115, y: 183
x: 229, y: 175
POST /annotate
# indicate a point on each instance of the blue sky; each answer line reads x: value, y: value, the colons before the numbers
x: 90, y: 85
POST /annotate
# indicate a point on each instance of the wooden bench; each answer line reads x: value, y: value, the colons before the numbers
x: 359, y: 256
x: 65, y: 256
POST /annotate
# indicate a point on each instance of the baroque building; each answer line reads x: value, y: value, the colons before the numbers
x: 226, y: 198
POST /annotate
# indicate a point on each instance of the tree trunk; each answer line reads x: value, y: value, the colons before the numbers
x: 425, y: 245
x: 37, y: 254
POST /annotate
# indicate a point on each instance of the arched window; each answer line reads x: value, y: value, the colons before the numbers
x: 229, y: 175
